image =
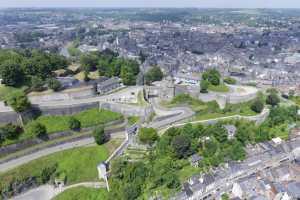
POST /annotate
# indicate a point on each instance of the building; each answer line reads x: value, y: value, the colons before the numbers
x: 67, y: 82
x: 195, y: 159
x: 102, y: 172
x: 106, y: 86
x: 231, y: 131
x: 187, y: 79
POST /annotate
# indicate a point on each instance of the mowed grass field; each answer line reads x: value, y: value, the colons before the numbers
x: 54, y: 124
x: 78, y: 164
x: 87, y: 118
x: 83, y: 193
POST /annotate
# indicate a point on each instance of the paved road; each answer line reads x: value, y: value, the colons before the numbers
x: 127, y: 95
x: 44, y: 152
x: 45, y: 192
x: 48, y: 192
x: 176, y: 114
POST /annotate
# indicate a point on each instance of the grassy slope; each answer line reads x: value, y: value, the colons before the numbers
x: 210, y: 110
x: 133, y: 119
x: 83, y: 193
x: 54, y: 124
x: 77, y: 164
x: 218, y: 88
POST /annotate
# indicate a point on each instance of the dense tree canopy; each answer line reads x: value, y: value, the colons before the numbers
x: 109, y: 65
x: 273, y: 99
x: 181, y: 146
x: 18, y: 101
x: 28, y: 66
x: 213, y: 76
x: 154, y: 74
x: 258, y: 105
x: 147, y: 135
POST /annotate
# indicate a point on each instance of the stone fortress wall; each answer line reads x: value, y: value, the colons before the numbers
x: 78, y: 93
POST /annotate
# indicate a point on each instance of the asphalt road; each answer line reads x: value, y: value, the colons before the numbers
x: 176, y: 114
x: 45, y: 192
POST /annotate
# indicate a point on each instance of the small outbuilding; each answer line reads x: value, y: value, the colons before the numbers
x: 195, y: 159
x: 231, y: 131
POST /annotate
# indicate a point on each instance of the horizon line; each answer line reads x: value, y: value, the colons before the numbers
x: 112, y: 7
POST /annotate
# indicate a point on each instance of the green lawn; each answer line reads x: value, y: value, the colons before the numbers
x: 141, y: 99
x: 83, y: 193
x: 87, y: 118
x: 79, y: 164
x: 133, y: 119
x: 296, y: 100
x: 218, y: 88
x: 187, y: 172
x: 210, y: 110
x: 281, y: 131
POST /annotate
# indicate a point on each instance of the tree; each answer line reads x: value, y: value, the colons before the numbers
x: 213, y: 76
x: 128, y: 76
x: 74, y: 124
x: 204, y: 86
x: 171, y: 180
x: 89, y: 61
x: 18, y: 101
x: 147, y: 135
x: 37, y: 83
x: 237, y: 151
x: 273, y: 99
x: 154, y: 74
x: 190, y: 131
x: 54, y: 84
x: 245, y: 132
x: 11, y: 131
x: 181, y: 146
x: 11, y: 73
x: 258, y: 105
x: 218, y: 131
x: 2, y: 136
x: 37, y: 129
x: 99, y: 135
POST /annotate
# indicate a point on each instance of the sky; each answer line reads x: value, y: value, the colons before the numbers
x: 154, y: 3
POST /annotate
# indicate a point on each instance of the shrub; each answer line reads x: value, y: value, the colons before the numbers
x: 257, y: 106
x: 154, y: 74
x: 74, y: 124
x: 37, y: 129
x: 273, y: 99
x: 147, y: 135
x: 11, y: 131
x: 204, y: 86
x: 54, y: 84
x: 99, y: 135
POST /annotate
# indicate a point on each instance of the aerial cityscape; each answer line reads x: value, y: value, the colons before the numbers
x: 149, y: 103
